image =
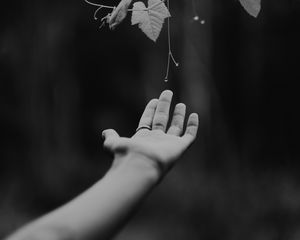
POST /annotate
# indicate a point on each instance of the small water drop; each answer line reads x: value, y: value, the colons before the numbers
x: 196, y: 18
x: 202, y: 22
x: 166, y: 80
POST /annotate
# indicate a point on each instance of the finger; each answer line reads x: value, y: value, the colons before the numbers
x: 161, y: 115
x: 113, y: 142
x: 191, y: 128
x: 147, y: 116
x: 176, y: 126
x: 110, y: 136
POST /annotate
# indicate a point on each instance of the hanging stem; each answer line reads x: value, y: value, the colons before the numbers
x: 170, y: 54
x: 196, y: 16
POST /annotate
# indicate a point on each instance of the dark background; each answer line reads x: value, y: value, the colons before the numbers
x: 63, y: 81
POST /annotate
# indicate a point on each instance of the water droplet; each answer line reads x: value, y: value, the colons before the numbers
x: 202, y: 22
x: 166, y: 80
x: 196, y: 18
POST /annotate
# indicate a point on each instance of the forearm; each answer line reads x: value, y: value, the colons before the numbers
x: 104, y: 208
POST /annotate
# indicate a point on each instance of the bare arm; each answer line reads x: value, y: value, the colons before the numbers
x: 139, y: 163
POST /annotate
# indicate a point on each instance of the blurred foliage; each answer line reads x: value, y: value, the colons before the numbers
x: 63, y: 81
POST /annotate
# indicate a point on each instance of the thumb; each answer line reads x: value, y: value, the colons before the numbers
x: 110, y: 136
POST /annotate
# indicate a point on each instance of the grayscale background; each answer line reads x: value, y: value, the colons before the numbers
x: 63, y: 81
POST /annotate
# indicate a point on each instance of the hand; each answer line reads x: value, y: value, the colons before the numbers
x: 158, y: 144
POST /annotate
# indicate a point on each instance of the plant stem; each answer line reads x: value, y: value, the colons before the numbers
x: 99, y: 5
x: 170, y: 54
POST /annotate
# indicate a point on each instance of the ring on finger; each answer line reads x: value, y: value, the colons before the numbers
x: 143, y: 127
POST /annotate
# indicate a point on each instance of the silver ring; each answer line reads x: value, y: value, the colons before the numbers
x: 143, y: 127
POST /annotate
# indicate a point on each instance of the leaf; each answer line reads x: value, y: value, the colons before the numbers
x: 119, y: 14
x: 151, y: 19
x: 251, y: 6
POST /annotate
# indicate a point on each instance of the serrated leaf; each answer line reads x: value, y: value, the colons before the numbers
x: 251, y: 6
x: 150, y: 20
x: 119, y: 14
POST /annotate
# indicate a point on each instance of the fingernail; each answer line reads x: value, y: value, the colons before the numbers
x: 168, y: 91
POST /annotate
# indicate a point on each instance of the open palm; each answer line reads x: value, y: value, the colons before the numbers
x: 153, y: 139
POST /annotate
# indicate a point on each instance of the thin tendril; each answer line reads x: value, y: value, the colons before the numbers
x: 99, y: 5
x: 170, y: 54
x: 194, y: 8
x: 102, y: 24
x: 95, y: 13
x: 130, y: 9
x: 173, y: 59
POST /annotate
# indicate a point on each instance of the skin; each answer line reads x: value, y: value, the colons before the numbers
x: 140, y: 162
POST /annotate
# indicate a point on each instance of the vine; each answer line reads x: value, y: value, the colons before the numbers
x: 170, y: 54
x: 150, y: 19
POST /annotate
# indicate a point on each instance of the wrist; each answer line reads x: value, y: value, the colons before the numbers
x: 138, y: 164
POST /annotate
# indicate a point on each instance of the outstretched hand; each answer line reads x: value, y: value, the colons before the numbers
x: 143, y: 159
x: 153, y: 140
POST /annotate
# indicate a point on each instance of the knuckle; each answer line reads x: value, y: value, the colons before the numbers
x: 160, y: 118
x: 159, y: 125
